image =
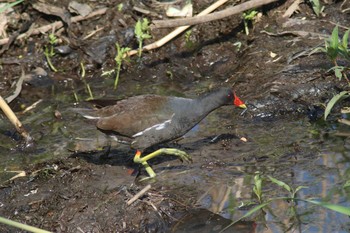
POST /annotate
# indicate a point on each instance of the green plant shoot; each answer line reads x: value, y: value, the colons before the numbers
x: 49, y: 50
x: 342, y: 95
x: 87, y: 86
x: 9, y: 5
x: 120, y: 57
x: 189, y: 42
x: 258, y: 186
x: 291, y: 191
x: 317, y: 7
x: 334, y: 50
x: 142, y: 32
x: 120, y: 7
x: 248, y: 16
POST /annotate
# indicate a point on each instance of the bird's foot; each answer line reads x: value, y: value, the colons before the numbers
x: 183, y: 156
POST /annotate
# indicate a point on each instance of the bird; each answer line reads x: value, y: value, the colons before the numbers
x: 147, y: 120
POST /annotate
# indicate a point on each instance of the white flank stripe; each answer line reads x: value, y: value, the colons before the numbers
x: 162, y: 126
x: 157, y: 127
x: 115, y: 138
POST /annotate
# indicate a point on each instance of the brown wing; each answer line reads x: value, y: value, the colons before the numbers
x: 134, y: 114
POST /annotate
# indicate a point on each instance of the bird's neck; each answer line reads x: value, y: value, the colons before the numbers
x: 209, y: 103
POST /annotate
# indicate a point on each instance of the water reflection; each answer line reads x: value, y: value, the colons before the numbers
x: 323, y: 170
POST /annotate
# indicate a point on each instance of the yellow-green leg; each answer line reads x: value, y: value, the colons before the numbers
x: 183, y: 156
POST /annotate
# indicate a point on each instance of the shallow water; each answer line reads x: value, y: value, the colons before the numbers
x: 296, y: 152
x: 292, y: 149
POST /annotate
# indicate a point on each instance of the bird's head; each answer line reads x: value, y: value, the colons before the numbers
x: 238, y: 102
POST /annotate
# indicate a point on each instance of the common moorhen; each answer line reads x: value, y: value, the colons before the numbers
x: 147, y: 120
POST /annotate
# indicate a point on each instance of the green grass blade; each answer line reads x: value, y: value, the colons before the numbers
x: 333, y: 101
x: 9, y: 5
x: 258, y: 186
x: 250, y: 212
x: 300, y: 188
x: 334, y: 43
x: 22, y: 226
x: 347, y: 184
x: 337, y: 208
x: 280, y: 183
x: 345, y: 40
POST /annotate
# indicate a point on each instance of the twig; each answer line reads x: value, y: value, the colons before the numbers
x: 177, y: 31
x: 304, y: 34
x: 211, y: 17
x: 19, y: 174
x: 138, y: 195
x: 14, y: 120
x: 56, y: 25
x: 32, y: 106
x: 336, y: 24
x: 22, y: 226
x: 292, y: 8
x: 93, y: 33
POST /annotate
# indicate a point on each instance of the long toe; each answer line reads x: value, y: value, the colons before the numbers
x: 184, y: 156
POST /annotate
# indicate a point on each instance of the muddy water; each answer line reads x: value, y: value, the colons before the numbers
x: 295, y: 151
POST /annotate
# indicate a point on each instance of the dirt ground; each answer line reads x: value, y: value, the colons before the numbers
x: 81, y: 192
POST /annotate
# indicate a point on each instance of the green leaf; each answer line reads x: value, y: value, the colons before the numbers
x: 9, y: 5
x: 337, y: 208
x: 281, y: 184
x: 333, y: 101
x: 120, y: 7
x: 52, y: 39
x: 317, y: 49
x: 332, y: 53
x: 347, y: 184
x: 338, y: 71
x: 345, y: 40
x: 300, y: 188
x: 317, y: 7
x: 344, y: 46
x: 145, y: 24
x: 250, y: 212
x: 257, y: 186
x: 146, y: 36
x: 334, y: 43
x: 249, y: 15
x: 138, y: 29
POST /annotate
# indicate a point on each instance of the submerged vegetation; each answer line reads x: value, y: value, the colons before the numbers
x: 291, y: 199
